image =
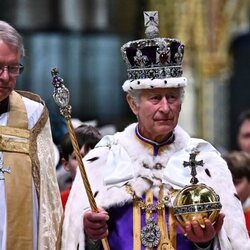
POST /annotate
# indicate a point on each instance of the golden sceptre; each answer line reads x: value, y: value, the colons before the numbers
x: 61, y: 96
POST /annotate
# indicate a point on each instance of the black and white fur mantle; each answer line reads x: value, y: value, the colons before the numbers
x: 121, y: 158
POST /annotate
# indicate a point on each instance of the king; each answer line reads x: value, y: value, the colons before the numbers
x: 136, y: 174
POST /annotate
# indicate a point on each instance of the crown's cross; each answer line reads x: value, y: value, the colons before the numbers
x: 192, y: 163
x: 3, y: 169
x: 151, y: 22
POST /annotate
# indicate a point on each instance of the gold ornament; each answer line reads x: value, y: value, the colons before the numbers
x: 196, y: 201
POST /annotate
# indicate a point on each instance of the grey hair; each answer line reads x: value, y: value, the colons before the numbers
x: 135, y: 95
x: 9, y: 35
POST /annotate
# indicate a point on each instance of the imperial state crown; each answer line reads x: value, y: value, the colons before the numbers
x: 153, y: 62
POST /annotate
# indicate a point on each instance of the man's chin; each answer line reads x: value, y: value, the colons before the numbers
x: 165, y: 123
x: 165, y: 127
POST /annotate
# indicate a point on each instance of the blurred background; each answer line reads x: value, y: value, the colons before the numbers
x: 82, y: 38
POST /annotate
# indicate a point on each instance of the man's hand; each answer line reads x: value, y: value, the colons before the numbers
x: 95, y: 224
x: 202, y: 236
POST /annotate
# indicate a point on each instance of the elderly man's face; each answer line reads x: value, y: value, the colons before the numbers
x: 157, y: 112
x: 8, y: 56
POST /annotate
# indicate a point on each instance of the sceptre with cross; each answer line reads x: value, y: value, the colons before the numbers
x: 61, y: 97
x: 192, y: 163
x: 3, y: 169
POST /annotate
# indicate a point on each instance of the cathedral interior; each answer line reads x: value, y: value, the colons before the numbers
x: 82, y: 38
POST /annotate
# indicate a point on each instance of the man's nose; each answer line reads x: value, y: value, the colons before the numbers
x: 164, y: 104
x: 5, y: 74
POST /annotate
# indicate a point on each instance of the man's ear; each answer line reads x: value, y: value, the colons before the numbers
x: 132, y: 105
x: 65, y: 164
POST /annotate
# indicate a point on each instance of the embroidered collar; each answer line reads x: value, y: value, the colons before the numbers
x: 156, y: 146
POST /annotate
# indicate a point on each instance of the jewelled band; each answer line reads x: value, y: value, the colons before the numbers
x: 156, y: 72
x: 204, y: 207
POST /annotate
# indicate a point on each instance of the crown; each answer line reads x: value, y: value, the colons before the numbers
x: 153, y: 62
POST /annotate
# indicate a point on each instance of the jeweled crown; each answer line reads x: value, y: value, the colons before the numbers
x: 154, y: 58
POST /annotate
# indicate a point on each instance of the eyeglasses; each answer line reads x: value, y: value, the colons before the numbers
x: 13, y: 70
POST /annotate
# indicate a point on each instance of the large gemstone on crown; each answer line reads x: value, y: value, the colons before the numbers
x: 196, y: 202
x: 164, y: 58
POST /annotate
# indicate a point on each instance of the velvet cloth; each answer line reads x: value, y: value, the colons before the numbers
x: 121, y: 229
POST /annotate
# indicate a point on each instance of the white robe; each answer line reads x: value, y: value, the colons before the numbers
x: 120, y: 159
x: 44, y: 231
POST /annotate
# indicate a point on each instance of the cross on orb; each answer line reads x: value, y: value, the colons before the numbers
x: 192, y: 163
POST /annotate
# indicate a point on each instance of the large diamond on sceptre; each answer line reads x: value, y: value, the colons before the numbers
x: 61, y: 96
x: 196, y: 201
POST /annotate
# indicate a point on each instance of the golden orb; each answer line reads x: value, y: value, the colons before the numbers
x: 196, y: 202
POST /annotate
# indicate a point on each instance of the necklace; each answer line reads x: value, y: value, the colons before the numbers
x: 149, y: 208
x: 150, y: 233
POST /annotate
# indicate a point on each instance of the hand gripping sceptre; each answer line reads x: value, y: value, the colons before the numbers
x: 61, y: 96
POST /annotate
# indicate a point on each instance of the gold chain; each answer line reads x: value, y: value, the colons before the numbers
x: 149, y: 208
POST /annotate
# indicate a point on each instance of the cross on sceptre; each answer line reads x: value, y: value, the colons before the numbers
x: 3, y: 169
x: 192, y: 163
